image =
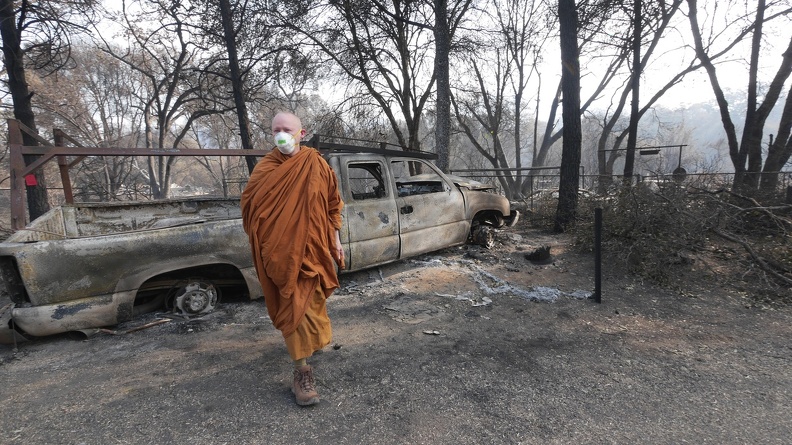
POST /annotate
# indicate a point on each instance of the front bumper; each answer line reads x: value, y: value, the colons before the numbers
x: 512, y: 219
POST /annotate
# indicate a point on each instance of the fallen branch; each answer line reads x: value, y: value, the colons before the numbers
x: 135, y: 329
x: 754, y: 255
x: 758, y: 207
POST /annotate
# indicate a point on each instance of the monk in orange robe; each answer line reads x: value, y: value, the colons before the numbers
x: 291, y: 211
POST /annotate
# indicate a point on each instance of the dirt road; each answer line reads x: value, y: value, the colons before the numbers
x: 461, y: 347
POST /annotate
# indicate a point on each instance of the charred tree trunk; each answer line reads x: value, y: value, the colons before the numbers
x: 780, y: 150
x: 570, y: 85
x: 236, y: 81
x: 751, y: 143
x: 23, y: 107
x: 443, y: 109
x: 632, y: 138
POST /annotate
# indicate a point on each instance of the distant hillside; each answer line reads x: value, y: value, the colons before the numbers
x: 704, y: 123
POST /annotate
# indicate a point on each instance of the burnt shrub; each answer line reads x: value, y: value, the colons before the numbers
x: 662, y: 233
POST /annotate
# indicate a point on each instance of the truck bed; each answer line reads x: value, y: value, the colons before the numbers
x: 97, y: 219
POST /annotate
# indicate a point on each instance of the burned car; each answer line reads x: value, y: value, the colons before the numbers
x: 90, y: 265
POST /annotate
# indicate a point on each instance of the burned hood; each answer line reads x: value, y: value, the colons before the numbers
x: 470, y: 183
x: 459, y: 181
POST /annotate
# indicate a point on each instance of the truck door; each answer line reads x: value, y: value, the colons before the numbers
x: 431, y: 208
x: 370, y: 214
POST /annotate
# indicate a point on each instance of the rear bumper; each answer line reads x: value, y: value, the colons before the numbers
x: 70, y: 316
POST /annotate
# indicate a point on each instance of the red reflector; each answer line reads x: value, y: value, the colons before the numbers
x: 30, y: 180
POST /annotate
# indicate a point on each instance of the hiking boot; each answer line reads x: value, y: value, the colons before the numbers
x: 304, y: 387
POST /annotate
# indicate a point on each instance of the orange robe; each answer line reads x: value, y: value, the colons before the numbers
x: 290, y: 210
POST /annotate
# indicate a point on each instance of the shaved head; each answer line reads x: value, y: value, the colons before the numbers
x: 285, y: 121
x: 289, y: 123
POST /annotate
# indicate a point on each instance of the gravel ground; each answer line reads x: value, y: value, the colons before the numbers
x: 461, y: 347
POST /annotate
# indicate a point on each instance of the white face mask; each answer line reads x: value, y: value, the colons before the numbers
x: 285, y: 142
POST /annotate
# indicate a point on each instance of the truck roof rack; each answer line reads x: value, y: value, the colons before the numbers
x: 381, y: 147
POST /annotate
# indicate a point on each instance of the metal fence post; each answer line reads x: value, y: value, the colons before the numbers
x: 598, y: 255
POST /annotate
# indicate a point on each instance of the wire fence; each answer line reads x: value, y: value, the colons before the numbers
x: 546, y: 179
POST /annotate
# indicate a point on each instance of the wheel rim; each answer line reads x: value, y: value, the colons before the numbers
x: 195, y: 298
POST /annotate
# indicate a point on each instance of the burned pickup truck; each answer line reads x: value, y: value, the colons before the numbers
x: 90, y: 265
